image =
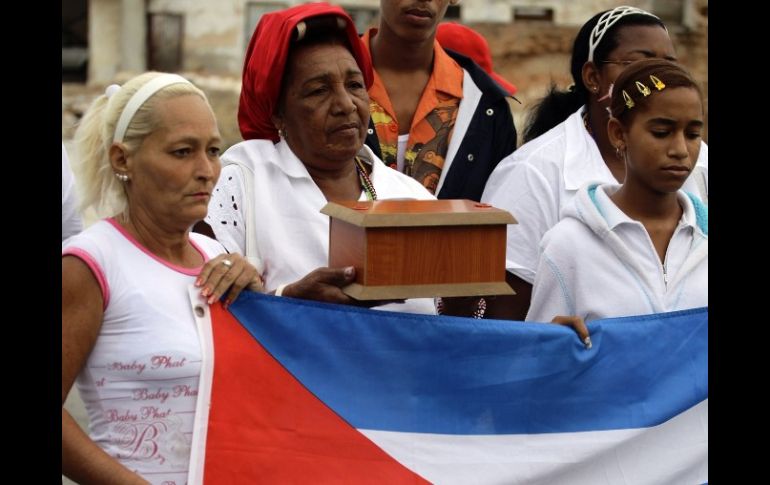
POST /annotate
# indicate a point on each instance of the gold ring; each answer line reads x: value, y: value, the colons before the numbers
x: 227, y: 263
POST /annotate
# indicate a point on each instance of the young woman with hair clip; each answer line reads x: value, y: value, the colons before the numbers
x: 641, y: 247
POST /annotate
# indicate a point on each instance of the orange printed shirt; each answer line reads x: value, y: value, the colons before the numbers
x: 433, y: 122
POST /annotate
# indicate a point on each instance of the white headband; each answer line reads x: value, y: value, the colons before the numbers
x: 608, y: 20
x: 139, y: 98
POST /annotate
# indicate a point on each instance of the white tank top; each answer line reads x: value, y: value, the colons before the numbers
x: 140, y: 382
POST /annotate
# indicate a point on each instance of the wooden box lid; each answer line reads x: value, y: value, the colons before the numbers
x: 406, y: 213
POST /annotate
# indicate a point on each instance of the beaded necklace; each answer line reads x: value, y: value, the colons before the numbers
x: 366, y: 182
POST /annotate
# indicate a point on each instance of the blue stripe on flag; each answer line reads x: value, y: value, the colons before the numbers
x: 416, y: 373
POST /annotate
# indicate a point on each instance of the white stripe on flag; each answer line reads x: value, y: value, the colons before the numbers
x: 673, y: 452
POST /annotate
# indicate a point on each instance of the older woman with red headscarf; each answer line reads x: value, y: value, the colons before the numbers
x: 304, y: 114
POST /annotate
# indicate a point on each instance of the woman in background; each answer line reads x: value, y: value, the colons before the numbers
x: 568, y: 145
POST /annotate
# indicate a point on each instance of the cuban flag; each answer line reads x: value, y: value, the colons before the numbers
x: 303, y: 392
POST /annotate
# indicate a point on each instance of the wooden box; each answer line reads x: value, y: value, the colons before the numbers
x: 419, y: 248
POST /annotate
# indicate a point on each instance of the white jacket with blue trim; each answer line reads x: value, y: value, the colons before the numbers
x: 598, y: 263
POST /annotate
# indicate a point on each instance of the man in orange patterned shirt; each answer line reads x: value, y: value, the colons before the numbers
x: 436, y: 115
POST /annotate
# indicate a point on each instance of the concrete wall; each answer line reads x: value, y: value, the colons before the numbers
x: 575, y: 13
x: 529, y: 54
x: 216, y: 34
x: 485, y: 11
x: 103, y: 40
x: 213, y: 33
x: 566, y: 12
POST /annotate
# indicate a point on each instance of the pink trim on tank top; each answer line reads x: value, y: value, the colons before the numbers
x: 95, y: 269
x: 187, y: 271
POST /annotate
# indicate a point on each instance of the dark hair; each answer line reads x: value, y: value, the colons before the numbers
x: 557, y: 105
x: 322, y: 30
x: 648, y: 73
x: 325, y: 29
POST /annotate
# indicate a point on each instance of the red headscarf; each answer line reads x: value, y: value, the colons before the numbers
x: 263, y: 69
x: 468, y: 42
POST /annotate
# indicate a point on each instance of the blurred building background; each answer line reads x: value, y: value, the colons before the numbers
x: 105, y: 41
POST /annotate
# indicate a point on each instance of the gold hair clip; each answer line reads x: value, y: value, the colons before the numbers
x: 643, y: 89
x: 657, y: 83
x: 627, y: 98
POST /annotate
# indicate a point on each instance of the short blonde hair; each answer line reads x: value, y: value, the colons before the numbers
x: 99, y: 188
